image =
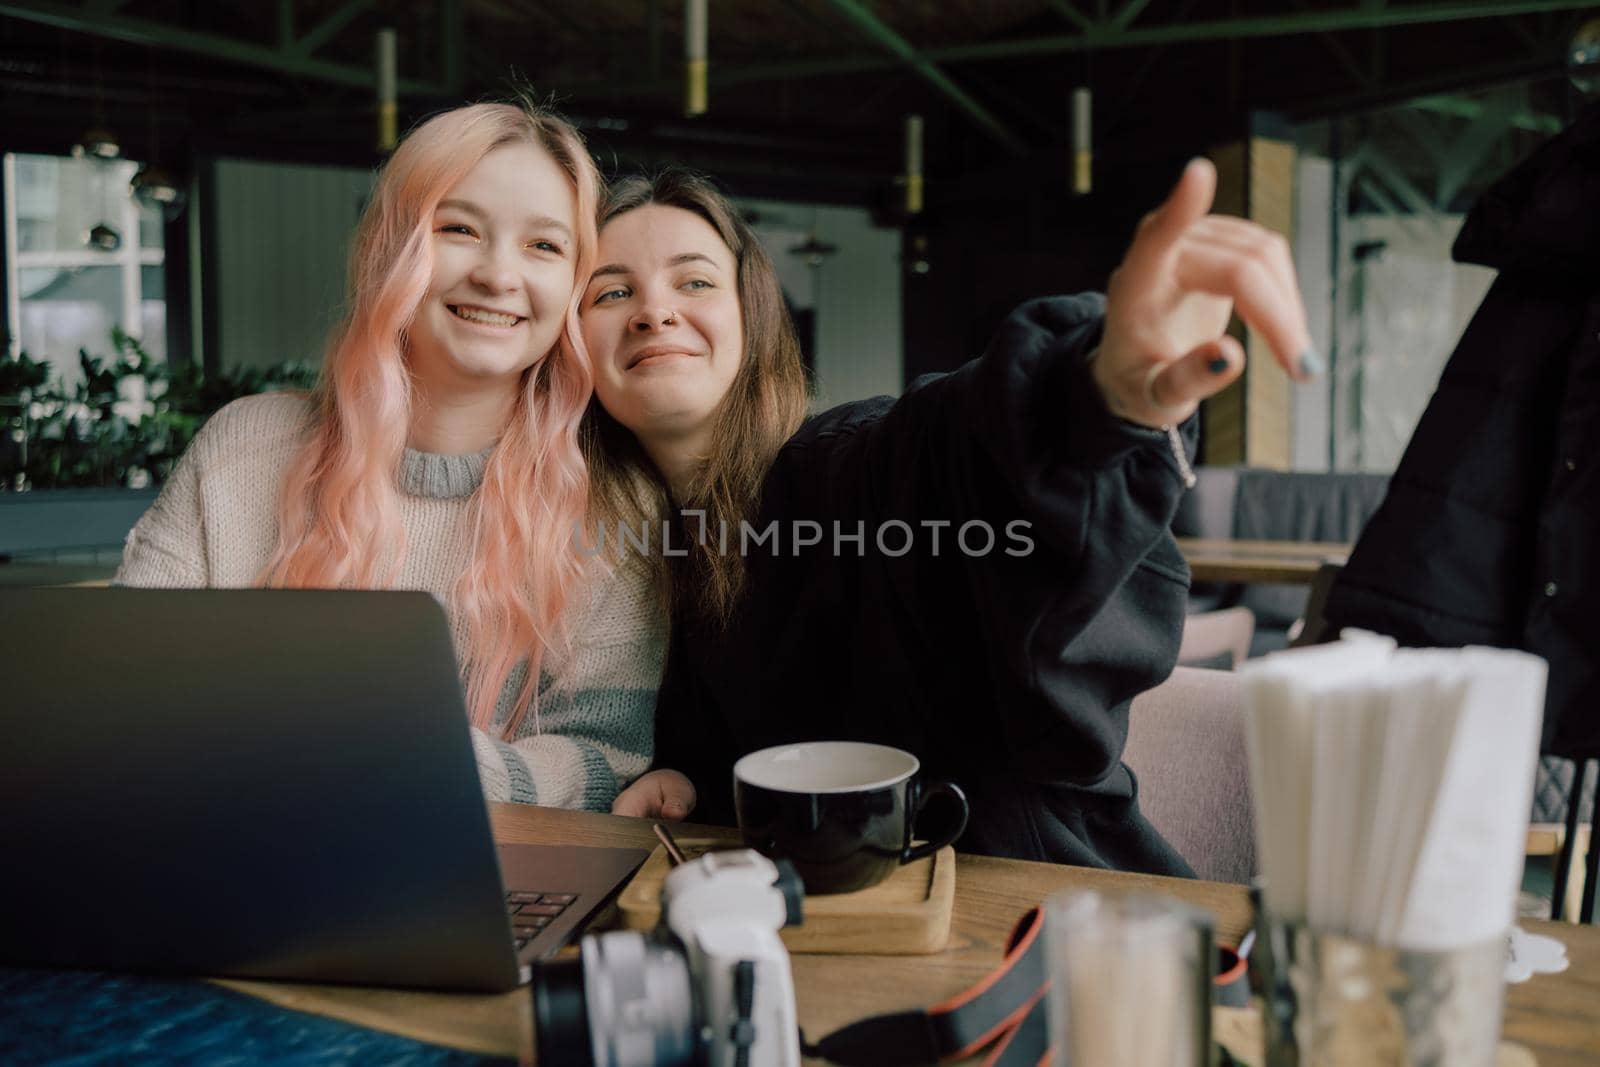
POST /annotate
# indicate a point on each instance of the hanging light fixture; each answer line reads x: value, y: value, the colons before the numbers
x: 913, y: 164
x: 812, y: 252
x: 103, y: 237
x: 919, y: 262
x: 155, y: 188
x: 101, y: 149
x: 1082, y: 142
x: 104, y: 179
x: 695, y: 23
x: 388, y: 109
x: 97, y: 143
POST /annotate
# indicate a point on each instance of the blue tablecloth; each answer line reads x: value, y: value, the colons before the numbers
x: 86, y: 1019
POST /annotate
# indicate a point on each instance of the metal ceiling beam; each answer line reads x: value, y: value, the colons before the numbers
x: 1359, y: 74
x: 1130, y: 11
x: 1461, y: 107
x: 325, y: 30
x: 1065, y: 9
x: 874, y: 28
x: 1130, y: 91
x: 1321, y: 21
x: 1464, y: 79
x: 1395, y: 179
x: 214, y: 46
x: 1103, y: 37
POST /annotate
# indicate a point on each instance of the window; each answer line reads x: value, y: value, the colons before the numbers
x: 65, y: 289
x: 1382, y: 195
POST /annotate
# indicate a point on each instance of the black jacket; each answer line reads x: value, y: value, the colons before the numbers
x: 1009, y: 674
x: 1490, y: 533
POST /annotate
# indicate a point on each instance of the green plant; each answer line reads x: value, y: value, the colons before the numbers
x: 22, y: 375
x: 125, y: 423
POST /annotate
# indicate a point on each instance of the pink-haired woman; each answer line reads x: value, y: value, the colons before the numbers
x: 440, y: 452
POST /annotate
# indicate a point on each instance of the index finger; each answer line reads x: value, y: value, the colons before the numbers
x: 1188, y: 202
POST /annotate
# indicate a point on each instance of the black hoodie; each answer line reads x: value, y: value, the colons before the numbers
x: 1008, y: 671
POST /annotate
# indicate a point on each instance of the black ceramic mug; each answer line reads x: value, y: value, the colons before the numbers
x: 843, y: 812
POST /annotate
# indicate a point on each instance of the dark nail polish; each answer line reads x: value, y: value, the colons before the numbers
x: 1310, y: 363
x: 1217, y: 366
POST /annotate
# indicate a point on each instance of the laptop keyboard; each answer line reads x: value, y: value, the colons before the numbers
x: 532, y: 911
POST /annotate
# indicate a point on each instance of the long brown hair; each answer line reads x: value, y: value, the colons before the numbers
x: 763, y: 408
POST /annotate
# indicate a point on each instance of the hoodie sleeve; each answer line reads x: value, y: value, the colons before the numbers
x: 1069, y: 627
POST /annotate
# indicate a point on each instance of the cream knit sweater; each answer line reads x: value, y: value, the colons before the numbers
x: 215, y: 524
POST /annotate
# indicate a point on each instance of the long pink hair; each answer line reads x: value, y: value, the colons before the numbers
x: 339, y: 515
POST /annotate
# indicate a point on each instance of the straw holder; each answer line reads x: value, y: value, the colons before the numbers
x: 1334, y: 1001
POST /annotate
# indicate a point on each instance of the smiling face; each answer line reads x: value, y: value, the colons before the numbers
x: 503, y: 263
x: 662, y: 322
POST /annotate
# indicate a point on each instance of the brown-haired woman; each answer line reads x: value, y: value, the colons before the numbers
x: 980, y: 571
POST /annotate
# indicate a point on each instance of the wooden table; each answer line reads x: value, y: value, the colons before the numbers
x: 1220, y: 559
x: 1556, y: 1016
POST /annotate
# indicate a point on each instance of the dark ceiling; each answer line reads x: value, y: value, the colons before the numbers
x: 807, y: 97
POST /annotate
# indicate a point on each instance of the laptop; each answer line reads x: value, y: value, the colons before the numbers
x: 266, y: 784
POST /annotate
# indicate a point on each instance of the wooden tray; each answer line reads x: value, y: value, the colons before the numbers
x: 906, y: 914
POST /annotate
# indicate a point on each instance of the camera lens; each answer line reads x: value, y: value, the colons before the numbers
x: 560, y: 1019
x: 626, y: 1002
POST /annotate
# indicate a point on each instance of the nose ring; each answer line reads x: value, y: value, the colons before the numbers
x: 671, y: 319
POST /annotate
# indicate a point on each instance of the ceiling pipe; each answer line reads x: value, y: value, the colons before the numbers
x: 1082, y: 142
x: 913, y: 164
x: 695, y: 25
x: 388, y: 110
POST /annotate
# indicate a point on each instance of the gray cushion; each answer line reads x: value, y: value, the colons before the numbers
x: 1186, y: 747
x: 1297, y: 506
x: 1207, y: 509
x: 1255, y: 504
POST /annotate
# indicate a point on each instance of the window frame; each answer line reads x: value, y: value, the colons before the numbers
x: 131, y: 258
